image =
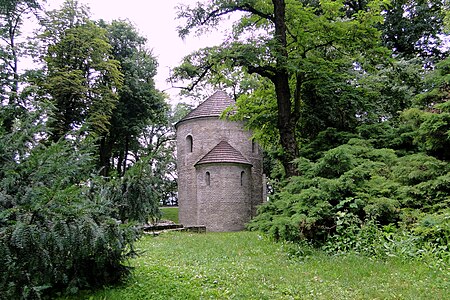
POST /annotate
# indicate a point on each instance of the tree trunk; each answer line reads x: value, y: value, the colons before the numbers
x: 14, y: 110
x: 126, y: 151
x: 105, y: 156
x: 120, y: 162
x: 287, y: 123
x: 287, y: 119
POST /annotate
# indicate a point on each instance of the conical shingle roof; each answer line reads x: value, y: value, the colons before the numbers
x: 211, y: 107
x: 223, y: 153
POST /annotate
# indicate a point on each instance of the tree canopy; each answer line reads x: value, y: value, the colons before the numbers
x: 294, y: 45
x: 78, y: 167
x: 349, y: 100
x: 352, y: 98
x: 139, y: 104
x: 80, y: 75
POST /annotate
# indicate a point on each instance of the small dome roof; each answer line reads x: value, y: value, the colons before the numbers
x: 211, y: 107
x: 223, y: 153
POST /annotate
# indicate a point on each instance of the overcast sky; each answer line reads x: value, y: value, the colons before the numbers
x: 156, y: 21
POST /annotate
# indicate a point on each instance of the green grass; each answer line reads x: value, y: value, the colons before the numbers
x: 169, y: 213
x: 244, y: 265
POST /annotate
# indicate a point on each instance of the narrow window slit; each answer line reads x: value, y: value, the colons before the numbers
x: 208, y: 178
x: 189, y: 144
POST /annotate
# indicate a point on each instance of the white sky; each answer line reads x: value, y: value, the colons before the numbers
x: 156, y: 21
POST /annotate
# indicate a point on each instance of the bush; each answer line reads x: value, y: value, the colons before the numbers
x: 58, y: 232
x: 55, y: 232
x: 421, y: 242
x: 358, y: 198
x: 62, y: 253
x: 134, y: 195
x: 434, y: 228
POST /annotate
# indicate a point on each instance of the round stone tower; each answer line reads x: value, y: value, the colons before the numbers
x: 220, y: 179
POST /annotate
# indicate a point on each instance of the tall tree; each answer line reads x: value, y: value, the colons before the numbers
x: 81, y: 78
x: 12, y: 14
x: 140, y: 105
x: 290, y: 43
x: 414, y: 28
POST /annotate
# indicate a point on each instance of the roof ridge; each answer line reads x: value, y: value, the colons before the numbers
x: 213, y: 106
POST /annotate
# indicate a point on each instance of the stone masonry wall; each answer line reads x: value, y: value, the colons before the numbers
x: 206, y: 133
x: 223, y: 203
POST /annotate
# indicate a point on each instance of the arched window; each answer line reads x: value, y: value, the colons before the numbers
x: 254, y: 146
x: 242, y: 178
x: 189, y: 144
x: 208, y: 178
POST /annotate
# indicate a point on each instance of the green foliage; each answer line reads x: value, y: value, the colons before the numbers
x: 80, y: 76
x: 416, y: 168
x: 134, y: 194
x: 435, y: 229
x: 306, y: 54
x: 430, y: 130
x: 62, y: 226
x: 432, y: 123
x: 12, y: 50
x: 140, y: 106
x: 414, y: 28
x: 344, y: 198
x: 385, y: 194
x: 325, y: 140
x: 57, y: 228
x: 56, y: 234
x: 428, y: 240
x: 259, y: 110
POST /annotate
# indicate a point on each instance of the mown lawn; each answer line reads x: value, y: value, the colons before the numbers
x: 244, y: 265
x: 169, y: 213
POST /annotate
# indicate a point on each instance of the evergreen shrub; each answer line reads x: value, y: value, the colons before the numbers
x: 59, y: 230
x: 356, y: 197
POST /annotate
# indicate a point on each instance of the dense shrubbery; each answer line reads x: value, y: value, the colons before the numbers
x: 60, y: 227
x: 135, y: 195
x: 89, y: 107
x: 376, y: 201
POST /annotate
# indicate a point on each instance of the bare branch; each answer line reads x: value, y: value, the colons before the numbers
x: 242, y: 8
x: 195, y: 18
x: 189, y: 88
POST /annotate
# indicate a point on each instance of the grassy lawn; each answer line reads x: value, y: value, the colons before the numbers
x: 169, y: 213
x: 245, y: 266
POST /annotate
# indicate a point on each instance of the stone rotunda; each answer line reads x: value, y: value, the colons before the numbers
x: 220, y: 177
